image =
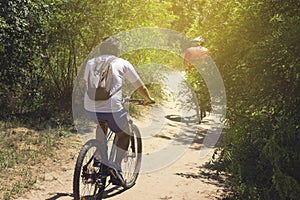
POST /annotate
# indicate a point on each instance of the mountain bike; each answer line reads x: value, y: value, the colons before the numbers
x: 90, y: 182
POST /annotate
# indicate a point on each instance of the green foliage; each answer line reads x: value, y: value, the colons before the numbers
x: 44, y: 42
x: 256, y: 47
x: 22, y: 38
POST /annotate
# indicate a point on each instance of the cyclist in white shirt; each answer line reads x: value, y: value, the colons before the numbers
x: 112, y: 110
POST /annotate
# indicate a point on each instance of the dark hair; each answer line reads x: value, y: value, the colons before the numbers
x: 110, y: 45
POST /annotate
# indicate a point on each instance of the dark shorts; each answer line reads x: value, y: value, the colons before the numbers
x: 117, y: 121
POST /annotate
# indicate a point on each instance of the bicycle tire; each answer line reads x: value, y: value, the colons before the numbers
x: 131, y: 164
x: 87, y: 183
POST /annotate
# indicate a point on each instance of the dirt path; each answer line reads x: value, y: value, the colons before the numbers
x: 171, y: 168
x: 184, y: 179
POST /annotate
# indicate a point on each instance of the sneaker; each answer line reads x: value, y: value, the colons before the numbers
x: 116, y: 177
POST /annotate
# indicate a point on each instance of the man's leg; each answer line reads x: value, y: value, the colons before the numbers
x: 122, y: 144
x: 102, y: 151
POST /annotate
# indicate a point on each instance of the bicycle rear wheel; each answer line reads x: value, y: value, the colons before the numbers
x: 131, y: 163
x: 88, y: 181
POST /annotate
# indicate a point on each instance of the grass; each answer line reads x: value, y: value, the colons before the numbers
x: 28, y: 143
x: 21, y: 149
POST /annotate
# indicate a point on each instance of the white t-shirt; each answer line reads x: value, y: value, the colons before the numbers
x: 120, y: 69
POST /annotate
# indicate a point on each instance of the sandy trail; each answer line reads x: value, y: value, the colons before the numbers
x: 172, y: 167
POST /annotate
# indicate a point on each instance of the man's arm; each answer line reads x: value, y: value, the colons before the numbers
x: 143, y: 91
x: 187, y: 60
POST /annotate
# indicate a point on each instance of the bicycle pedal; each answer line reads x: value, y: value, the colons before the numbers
x: 115, y: 182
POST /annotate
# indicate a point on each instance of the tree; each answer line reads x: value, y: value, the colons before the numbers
x: 22, y: 36
x: 255, y: 44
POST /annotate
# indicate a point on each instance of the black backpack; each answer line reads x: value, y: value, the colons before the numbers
x: 100, y: 79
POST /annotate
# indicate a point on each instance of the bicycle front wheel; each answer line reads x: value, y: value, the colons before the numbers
x: 131, y: 163
x: 88, y: 181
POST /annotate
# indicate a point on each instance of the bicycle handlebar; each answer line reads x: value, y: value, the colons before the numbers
x: 136, y: 101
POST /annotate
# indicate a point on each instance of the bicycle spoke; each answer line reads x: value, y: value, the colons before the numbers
x: 88, y: 182
x: 131, y: 163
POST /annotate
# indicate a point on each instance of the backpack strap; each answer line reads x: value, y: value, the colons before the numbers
x: 117, y: 90
x: 110, y: 60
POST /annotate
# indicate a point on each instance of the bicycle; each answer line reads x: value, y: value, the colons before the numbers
x: 90, y: 182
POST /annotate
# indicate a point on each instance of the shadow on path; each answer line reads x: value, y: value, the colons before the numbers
x: 58, y: 195
x: 208, y: 174
x: 113, y: 192
x: 178, y: 118
x: 107, y: 193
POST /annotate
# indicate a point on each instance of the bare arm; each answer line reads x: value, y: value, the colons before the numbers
x: 143, y: 91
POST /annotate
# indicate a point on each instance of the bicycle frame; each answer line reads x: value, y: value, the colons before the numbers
x: 91, y: 181
x: 109, y: 134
